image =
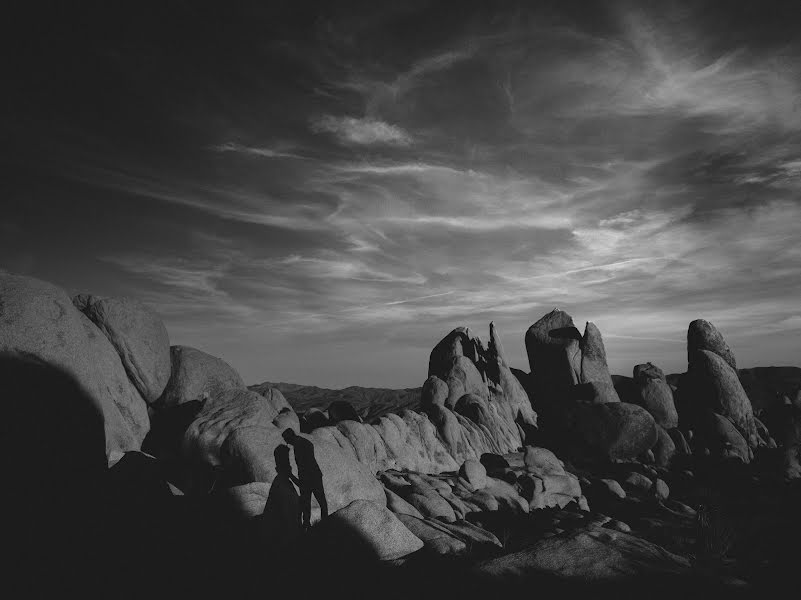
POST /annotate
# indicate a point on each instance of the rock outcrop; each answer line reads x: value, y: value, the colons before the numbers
x: 546, y: 483
x: 369, y: 530
x: 473, y: 398
x: 702, y: 335
x: 38, y: 321
x: 589, y: 555
x: 713, y: 385
x: 197, y: 376
x: 139, y: 337
x: 239, y: 430
x: 594, y: 368
x: 554, y: 352
x: 655, y: 396
x: 471, y: 405
x: 616, y: 431
x: 576, y: 394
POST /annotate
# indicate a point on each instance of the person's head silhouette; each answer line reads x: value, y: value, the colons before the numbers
x: 289, y: 436
x: 282, y: 465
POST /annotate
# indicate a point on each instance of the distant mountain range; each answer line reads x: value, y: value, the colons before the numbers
x: 763, y: 385
x: 370, y: 403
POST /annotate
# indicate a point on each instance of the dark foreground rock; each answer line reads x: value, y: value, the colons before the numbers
x: 588, y: 555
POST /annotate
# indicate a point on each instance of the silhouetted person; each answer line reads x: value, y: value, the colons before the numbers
x: 310, y: 478
x: 281, y: 516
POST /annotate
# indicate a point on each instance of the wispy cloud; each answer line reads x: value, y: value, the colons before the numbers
x: 254, y: 151
x: 742, y: 88
x: 331, y: 202
x: 361, y: 131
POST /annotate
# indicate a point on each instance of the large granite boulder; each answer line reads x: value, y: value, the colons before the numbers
x: 516, y: 403
x: 655, y: 395
x: 399, y: 506
x: 657, y: 399
x: 39, y: 323
x: 141, y: 340
x: 591, y: 555
x: 313, y: 419
x: 568, y: 371
x: 369, y: 530
x: 474, y: 474
x: 342, y: 410
x: 434, y: 393
x: 463, y: 377
x: 248, y: 500
x: 702, y: 335
x: 648, y: 371
x: 247, y: 456
x: 197, y: 376
x: 459, y: 342
x: 473, y: 400
x: 715, y: 386
x: 665, y: 448
x: 553, y: 348
x: 436, y: 538
x: 222, y: 415
x: 593, y: 392
x: 723, y: 440
x: 593, y: 359
x: 616, y: 430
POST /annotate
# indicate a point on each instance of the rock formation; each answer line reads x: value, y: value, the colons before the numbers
x: 702, y: 335
x: 139, y: 337
x: 461, y: 475
x: 39, y: 321
x: 196, y: 375
x: 590, y: 555
x: 655, y: 395
x: 712, y: 383
x: 554, y: 352
x: 576, y: 394
x: 368, y: 529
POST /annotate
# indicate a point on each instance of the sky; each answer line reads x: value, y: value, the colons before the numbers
x: 318, y: 193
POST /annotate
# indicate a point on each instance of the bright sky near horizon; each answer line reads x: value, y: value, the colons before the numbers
x: 320, y: 193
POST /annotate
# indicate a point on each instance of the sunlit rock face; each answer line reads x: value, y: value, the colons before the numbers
x: 196, y: 376
x: 38, y: 321
x: 702, y: 335
x: 471, y: 405
x: 139, y: 337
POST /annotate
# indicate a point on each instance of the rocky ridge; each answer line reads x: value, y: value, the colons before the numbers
x: 563, y: 461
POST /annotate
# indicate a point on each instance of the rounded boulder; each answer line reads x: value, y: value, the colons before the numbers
x: 197, y: 375
x: 616, y: 430
x: 474, y: 473
x: 371, y: 530
x: 141, y: 340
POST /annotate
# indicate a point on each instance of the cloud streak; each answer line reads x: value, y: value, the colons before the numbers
x: 323, y: 202
x: 361, y: 132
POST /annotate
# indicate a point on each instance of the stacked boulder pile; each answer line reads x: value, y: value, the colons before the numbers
x: 575, y: 395
x: 714, y: 403
x: 472, y: 406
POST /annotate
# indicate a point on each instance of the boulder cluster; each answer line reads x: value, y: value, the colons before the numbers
x: 102, y: 381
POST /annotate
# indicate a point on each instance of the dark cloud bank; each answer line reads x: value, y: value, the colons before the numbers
x: 320, y: 193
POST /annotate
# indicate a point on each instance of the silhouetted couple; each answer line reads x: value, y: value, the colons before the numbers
x: 292, y: 513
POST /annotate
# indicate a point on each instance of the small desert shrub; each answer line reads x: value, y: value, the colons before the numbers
x: 716, y: 533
